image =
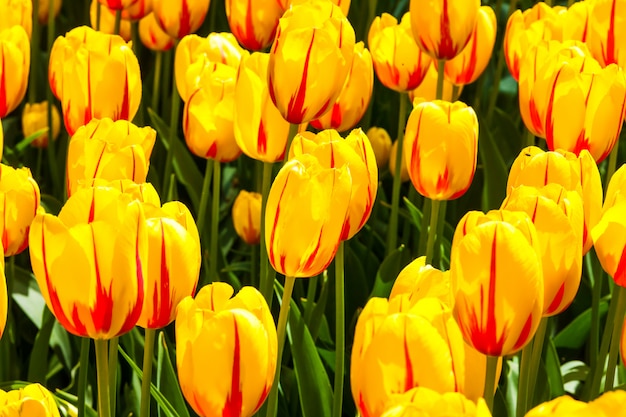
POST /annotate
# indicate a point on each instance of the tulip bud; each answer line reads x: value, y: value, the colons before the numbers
x: 423, y: 401
x: 560, y: 406
x: 180, y: 17
x: 253, y: 23
x: 17, y: 13
x: 227, y: 347
x: 441, y: 147
x: 420, y: 281
x: 607, y: 32
x: 246, y: 215
x: 381, y: 144
x: 44, y: 10
x: 106, y: 24
x: 404, y: 170
x: 14, y: 54
x: 35, y: 117
x: 152, y: 36
x: 29, y: 401
x: 427, y: 90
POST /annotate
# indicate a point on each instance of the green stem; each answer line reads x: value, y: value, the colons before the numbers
x: 432, y: 230
x: 148, y: 353
x: 215, y: 217
x: 52, y: 159
x: 293, y: 131
x: 174, y: 110
x: 530, y: 138
x: 272, y: 406
x: 34, y: 55
x: 204, y: 196
x: 113, y: 343
x: 82, y: 376
x: 596, y: 277
x: 156, y: 82
x: 535, y: 360
x: 490, y: 381
x: 265, y: 285
x: 98, y: 15
x: 134, y: 35
x: 392, y: 233
x: 441, y: 64
x: 426, y: 210
x: 102, y: 366
x: 619, y: 292
x: 340, y: 331
x: 456, y: 92
x: 118, y: 22
x: 612, y: 165
x: 522, y: 384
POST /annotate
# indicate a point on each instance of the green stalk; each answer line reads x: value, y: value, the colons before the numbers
x: 455, y: 92
x: 102, y: 366
x: 610, y: 169
x: 118, y: 22
x: 34, y: 55
x: 204, y: 197
x: 596, y: 277
x: 264, y: 279
x: 522, y: 383
x: 426, y: 210
x: 148, y: 353
x: 52, y: 160
x: 490, y: 381
x: 618, y: 292
x: 340, y: 331
x: 98, y: 14
x: 82, y: 376
x: 156, y: 82
x: 113, y: 343
x: 174, y: 110
x: 432, y: 230
x: 530, y: 138
x: 535, y: 360
x: 392, y: 233
x: 134, y: 36
x: 272, y: 406
x: 293, y: 131
x: 215, y: 217
x: 441, y: 64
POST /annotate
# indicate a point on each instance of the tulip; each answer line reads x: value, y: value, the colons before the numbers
x: 355, y: 96
x: 208, y: 115
x: 17, y: 13
x: 35, y: 117
x: 226, y: 355
x: 427, y: 90
x: 309, y: 60
x: 381, y: 145
x: 423, y: 401
x: 420, y: 280
x: 253, y: 23
x: 246, y: 215
x: 446, y: 28
x: 44, y: 10
x: 117, y: 4
x: 138, y: 10
x: 468, y: 65
x: 399, y: 345
x: 305, y: 215
x: 609, y: 404
x: 19, y: 198
x: 109, y: 150
x: 105, y: 77
x: 576, y: 21
x: 404, y: 170
x: 152, y: 36
x: 343, y: 4
x: 558, y: 218
x: 497, y: 316
x: 560, y: 406
x: 440, y: 147
x: 29, y: 401
x: 14, y: 54
x: 90, y: 262
x: 260, y: 130
x: 106, y: 24
x: 607, y: 32
x: 537, y: 168
x: 399, y: 63
x: 180, y: 17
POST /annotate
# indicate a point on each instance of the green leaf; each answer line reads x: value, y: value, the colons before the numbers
x: 169, y: 382
x: 415, y: 214
x: 553, y: 369
x: 388, y: 272
x: 576, y: 333
x: 38, y: 365
x: 495, y: 170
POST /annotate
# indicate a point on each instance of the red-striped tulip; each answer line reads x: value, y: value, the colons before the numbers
x: 246, y: 215
x: 152, y: 36
x: 17, y: 13
x: 117, y: 4
x: 420, y: 280
x: 14, y: 68
x: 35, y: 117
x: 422, y: 401
x: 180, y: 18
x: 427, y: 90
x: 607, y: 32
x: 253, y: 23
x: 104, y: 20
x: 139, y: 10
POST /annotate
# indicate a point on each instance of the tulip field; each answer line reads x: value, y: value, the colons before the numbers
x: 316, y: 208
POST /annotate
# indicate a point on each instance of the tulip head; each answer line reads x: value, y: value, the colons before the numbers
x: 246, y: 215
x: 29, y: 401
x: 35, y: 117
x: 381, y: 145
x: 117, y: 4
x: 422, y: 401
x: 138, y: 10
x: 14, y: 54
x: 227, y: 347
x: 420, y: 281
x: 152, y: 36
x: 17, y: 13
x: 104, y: 20
x: 607, y: 32
x: 253, y: 23
x: 180, y: 17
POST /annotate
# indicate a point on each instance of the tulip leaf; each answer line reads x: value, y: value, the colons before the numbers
x: 67, y: 401
x: 415, y: 214
x: 387, y: 273
x: 169, y: 382
x: 553, y: 369
x: 576, y: 333
x: 38, y: 365
x: 495, y: 170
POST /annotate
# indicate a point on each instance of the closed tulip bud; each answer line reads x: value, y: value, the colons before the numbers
x: 227, y: 347
x: 468, y: 65
x: 117, y: 4
x: 446, y: 28
x: 194, y: 52
x: 305, y: 215
x: 309, y: 60
x: 422, y: 401
x: 253, y: 23
x: 208, y: 115
x: 404, y: 170
x: 427, y: 90
x: 441, y: 147
x: 399, y: 345
x: 137, y: 11
x: 90, y: 262
x: 607, y: 32
x: 497, y: 316
x: 106, y: 24
x: 29, y: 401
x: 355, y: 96
x: 537, y: 168
x: 109, y: 150
x: 35, y: 117
x: 17, y: 13
x: 381, y: 144
x: 14, y: 54
x: 19, y: 198
x: 44, y: 10
x: 260, y: 130
x: 558, y: 218
x: 399, y: 63
x: 152, y: 36
x: 180, y: 18
x: 246, y: 215
x: 419, y: 280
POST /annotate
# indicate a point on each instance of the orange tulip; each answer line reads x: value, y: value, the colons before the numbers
x: 440, y: 147
x: 427, y: 90
x: 14, y: 55
x: 17, y: 13
x: 138, y: 10
x: 35, y: 117
x: 246, y: 214
x: 607, y: 32
x: 107, y: 20
x: 32, y: 400
x: 399, y: 63
x: 44, y: 10
x: 180, y: 17
x: 152, y: 36
x: 309, y: 60
x: 90, y: 262
x: 253, y: 23
x: 381, y: 144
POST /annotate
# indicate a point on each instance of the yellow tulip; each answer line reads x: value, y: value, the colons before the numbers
x: 17, y: 13
x: 226, y: 350
x: 109, y: 150
x: 35, y: 117
x: 260, y: 130
x: 305, y: 214
x: 559, y: 407
x: 44, y: 10
x: 106, y: 23
x: 497, y: 316
x: 309, y: 60
x: 399, y: 63
x: 14, y: 67
x: 152, y: 36
x: 30, y: 401
x: 420, y: 281
x: 422, y: 401
x: 90, y: 262
x: 19, y: 199
x: 246, y: 215
x: 607, y: 32
x: 180, y: 17
x: 381, y: 144
x: 441, y: 147
x: 576, y: 21
x: 138, y: 10
x: 427, y: 90
x: 609, y: 404
x: 253, y: 23
x: 442, y: 28
x: 344, y: 5
x: 117, y: 4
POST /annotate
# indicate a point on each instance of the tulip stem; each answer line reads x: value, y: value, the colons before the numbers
x: 340, y: 336
x: 34, y: 55
x: 522, y: 383
x: 98, y: 15
x: 156, y: 82
x: 52, y: 160
x: 265, y: 285
x: 432, y: 230
x: 272, y: 406
x: 456, y: 92
x: 113, y: 343
x: 597, y: 279
x: 392, y: 233
x: 82, y: 376
x: 535, y: 360
x: 490, y: 381
x: 175, y: 109
x: 215, y: 217
x: 148, y: 352
x: 102, y: 365
x: 204, y: 196
x: 441, y: 64
x: 615, y: 337
x: 294, y: 128
x: 118, y: 22
x: 530, y: 139
x: 612, y: 165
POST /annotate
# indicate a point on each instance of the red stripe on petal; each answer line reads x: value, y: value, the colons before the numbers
x: 234, y: 401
